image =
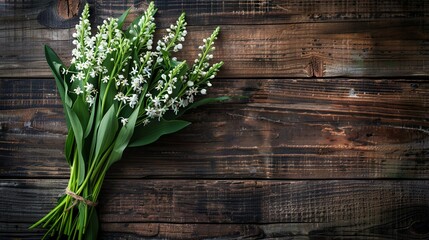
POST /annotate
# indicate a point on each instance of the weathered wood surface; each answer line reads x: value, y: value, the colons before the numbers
x: 286, y: 128
x: 259, y: 38
x: 331, y: 141
x: 237, y: 208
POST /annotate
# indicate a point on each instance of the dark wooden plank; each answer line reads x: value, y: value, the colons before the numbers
x: 287, y: 128
x: 217, y: 12
x: 163, y: 208
x: 290, y: 231
x: 313, y: 39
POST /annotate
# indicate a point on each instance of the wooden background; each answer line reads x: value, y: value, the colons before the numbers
x: 332, y: 141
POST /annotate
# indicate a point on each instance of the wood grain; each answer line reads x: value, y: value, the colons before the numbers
x: 330, y: 142
x: 163, y: 208
x: 286, y: 128
x: 296, y: 39
x: 290, y: 231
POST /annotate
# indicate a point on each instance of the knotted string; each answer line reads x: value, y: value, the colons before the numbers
x: 78, y: 198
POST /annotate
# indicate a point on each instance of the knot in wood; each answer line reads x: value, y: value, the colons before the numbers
x: 315, y: 67
x: 68, y: 9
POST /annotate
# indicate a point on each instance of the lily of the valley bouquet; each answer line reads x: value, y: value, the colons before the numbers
x: 121, y: 90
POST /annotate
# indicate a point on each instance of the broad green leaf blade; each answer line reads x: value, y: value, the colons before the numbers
x: 90, y: 124
x: 78, y: 133
x: 106, y: 131
x: 144, y: 135
x: 207, y: 101
x: 107, y: 95
x: 80, y: 107
x: 171, y: 115
x: 55, y: 64
x: 122, y: 18
x: 98, y: 117
x: 68, y: 149
x: 124, y: 137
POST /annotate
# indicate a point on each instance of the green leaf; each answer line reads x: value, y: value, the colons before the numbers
x: 55, y: 64
x: 171, y: 115
x: 78, y: 133
x: 207, y: 101
x: 124, y: 137
x: 68, y: 149
x: 110, y: 91
x: 82, y: 215
x: 144, y: 135
x: 106, y: 131
x: 80, y: 107
x: 122, y: 18
x: 90, y: 121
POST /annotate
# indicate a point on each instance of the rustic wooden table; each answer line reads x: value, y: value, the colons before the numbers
x: 332, y: 141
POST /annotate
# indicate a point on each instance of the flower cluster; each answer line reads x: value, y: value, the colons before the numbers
x: 124, y: 60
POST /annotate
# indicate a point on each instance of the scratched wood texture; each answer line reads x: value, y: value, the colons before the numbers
x: 330, y: 142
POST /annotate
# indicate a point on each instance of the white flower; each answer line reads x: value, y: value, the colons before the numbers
x: 150, y: 112
x: 90, y: 99
x: 170, y: 90
x: 93, y: 73
x: 156, y: 101
x: 209, y: 84
x: 146, y: 122
x: 105, y: 79
x: 124, y: 121
x: 78, y: 90
x: 80, y: 76
x: 190, y: 83
x: 135, y: 83
x: 72, y: 78
x: 124, y: 82
x: 160, y: 85
x: 183, y: 102
x: 147, y: 71
x: 179, y: 46
x: 120, y: 97
x: 134, y: 70
x: 133, y: 100
x: 203, y: 91
x: 89, y: 87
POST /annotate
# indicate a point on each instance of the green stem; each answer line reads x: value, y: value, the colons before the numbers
x: 93, y: 172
